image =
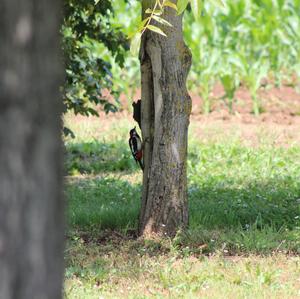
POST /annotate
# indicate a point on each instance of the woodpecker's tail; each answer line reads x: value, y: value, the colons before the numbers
x: 141, y: 164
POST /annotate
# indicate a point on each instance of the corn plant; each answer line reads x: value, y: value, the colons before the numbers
x: 252, y: 74
x: 230, y: 84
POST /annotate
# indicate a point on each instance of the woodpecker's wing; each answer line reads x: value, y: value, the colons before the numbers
x: 138, y: 142
x: 132, y: 145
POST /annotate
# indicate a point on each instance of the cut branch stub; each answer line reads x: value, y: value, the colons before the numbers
x: 137, y: 112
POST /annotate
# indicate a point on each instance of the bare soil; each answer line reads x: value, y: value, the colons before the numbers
x: 279, y: 122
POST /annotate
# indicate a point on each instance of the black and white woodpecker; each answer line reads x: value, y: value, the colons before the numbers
x: 136, y: 147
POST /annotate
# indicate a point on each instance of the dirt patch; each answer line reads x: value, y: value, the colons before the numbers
x: 284, y: 101
x: 252, y: 132
x: 278, y: 124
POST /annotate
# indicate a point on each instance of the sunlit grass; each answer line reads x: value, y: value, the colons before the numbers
x: 133, y: 269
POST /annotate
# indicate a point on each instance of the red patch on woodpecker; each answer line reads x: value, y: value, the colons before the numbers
x: 139, y: 155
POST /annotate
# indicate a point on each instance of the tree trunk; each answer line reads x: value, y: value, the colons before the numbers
x: 166, y: 107
x: 31, y: 206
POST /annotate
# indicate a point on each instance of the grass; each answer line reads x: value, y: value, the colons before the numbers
x: 103, y: 202
x: 243, y: 201
x: 133, y: 269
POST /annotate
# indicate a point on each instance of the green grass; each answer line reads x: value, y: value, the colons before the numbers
x: 242, y: 201
x: 233, y: 185
x: 102, y: 203
x: 135, y: 269
x: 98, y: 157
x: 232, y: 189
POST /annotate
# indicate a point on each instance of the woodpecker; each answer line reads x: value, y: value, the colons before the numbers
x: 136, y: 147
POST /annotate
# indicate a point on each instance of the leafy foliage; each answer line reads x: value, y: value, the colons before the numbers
x: 87, y: 33
x: 153, y: 14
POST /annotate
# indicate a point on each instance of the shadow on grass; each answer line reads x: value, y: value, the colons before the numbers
x: 103, y: 203
x: 273, y: 203
x: 114, y: 203
x: 258, y: 218
x: 98, y: 157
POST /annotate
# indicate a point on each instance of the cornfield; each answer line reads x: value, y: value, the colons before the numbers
x: 247, y: 42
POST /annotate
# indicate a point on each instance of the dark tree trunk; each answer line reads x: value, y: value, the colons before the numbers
x: 166, y: 107
x: 31, y: 206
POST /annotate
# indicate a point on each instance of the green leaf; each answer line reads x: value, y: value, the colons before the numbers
x: 155, y: 12
x: 156, y: 29
x: 181, y: 6
x: 196, y: 8
x: 170, y: 4
x: 135, y: 43
x: 162, y: 21
x: 143, y: 23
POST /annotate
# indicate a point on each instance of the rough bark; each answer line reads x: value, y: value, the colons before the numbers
x: 166, y: 107
x: 31, y: 206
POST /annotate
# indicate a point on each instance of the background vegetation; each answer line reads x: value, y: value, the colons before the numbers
x: 244, y: 234
x: 239, y: 44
